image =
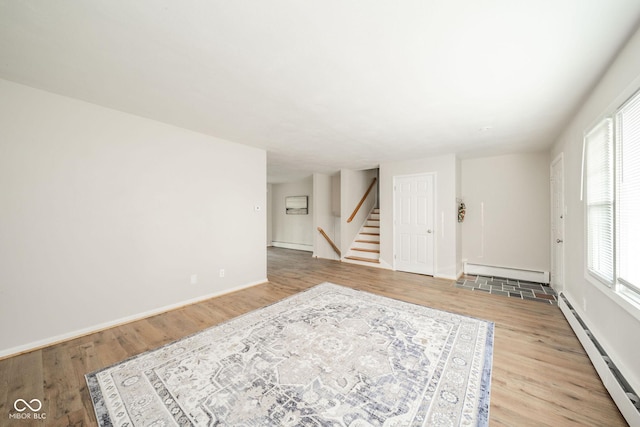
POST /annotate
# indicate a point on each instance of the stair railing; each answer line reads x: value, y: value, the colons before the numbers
x: 355, y: 211
x: 333, y: 245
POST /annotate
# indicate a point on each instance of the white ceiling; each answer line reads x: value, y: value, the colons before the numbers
x: 324, y: 85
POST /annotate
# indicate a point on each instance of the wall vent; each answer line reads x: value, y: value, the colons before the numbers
x: 621, y: 391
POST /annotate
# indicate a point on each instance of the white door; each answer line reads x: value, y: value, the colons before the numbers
x: 414, y: 223
x: 557, y: 224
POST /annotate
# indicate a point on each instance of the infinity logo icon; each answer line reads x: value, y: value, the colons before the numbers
x: 21, y: 405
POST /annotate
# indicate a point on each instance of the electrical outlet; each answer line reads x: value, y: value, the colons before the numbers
x: 222, y: 272
x: 194, y: 279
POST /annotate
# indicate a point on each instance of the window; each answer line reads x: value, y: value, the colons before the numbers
x: 599, y: 200
x: 628, y: 195
x: 612, y: 200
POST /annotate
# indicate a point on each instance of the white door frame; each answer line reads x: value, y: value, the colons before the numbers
x: 557, y: 219
x: 434, y: 176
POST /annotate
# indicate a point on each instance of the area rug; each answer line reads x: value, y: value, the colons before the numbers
x: 329, y: 356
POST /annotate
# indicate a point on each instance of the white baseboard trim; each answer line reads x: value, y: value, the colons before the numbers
x: 621, y: 392
x: 35, y: 345
x: 296, y: 246
x: 508, y: 272
x: 445, y: 276
x: 335, y: 257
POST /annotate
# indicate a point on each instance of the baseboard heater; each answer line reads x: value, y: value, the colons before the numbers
x: 620, y: 390
x: 506, y: 272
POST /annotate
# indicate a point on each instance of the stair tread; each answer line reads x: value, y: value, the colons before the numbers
x: 370, y: 234
x: 357, y: 258
x: 374, y: 251
x: 377, y: 242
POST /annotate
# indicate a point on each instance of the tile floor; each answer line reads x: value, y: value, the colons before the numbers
x: 509, y: 288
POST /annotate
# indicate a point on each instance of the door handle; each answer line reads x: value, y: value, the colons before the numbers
x: 429, y: 231
x: 559, y: 240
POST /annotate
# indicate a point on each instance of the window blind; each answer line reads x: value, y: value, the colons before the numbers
x: 599, y: 200
x: 628, y: 194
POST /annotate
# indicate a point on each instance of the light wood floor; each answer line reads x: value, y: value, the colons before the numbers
x: 541, y: 375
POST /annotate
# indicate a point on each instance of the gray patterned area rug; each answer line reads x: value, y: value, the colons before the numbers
x: 329, y: 356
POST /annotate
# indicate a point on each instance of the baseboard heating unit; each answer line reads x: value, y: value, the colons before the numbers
x: 622, y: 393
x: 507, y: 272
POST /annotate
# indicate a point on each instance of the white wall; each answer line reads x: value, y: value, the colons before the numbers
x: 105, y: 216
x: 459, y: 266
x: 292, y: 231
x: 269, y: 214
x: 335, y: 194
x: 447, y: 263
x: 507, y: 221
x: 323, y: 217
x: 336, y: 207
x: 613, y: 321
x: 353, y: 185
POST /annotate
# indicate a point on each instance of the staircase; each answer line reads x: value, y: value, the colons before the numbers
x: 366, y: 246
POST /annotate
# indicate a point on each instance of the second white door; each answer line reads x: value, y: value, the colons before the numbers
x: 414, y: 233
x: 557, y: 224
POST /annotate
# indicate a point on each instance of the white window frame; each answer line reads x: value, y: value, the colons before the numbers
x: 630, y: 293
x: 596, y: 137
x: 631, y: 107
